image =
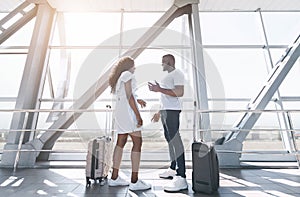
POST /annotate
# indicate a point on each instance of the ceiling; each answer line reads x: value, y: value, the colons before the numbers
x: 159, y: 5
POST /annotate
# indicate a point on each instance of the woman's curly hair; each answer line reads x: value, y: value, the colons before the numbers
x: 124, y: 64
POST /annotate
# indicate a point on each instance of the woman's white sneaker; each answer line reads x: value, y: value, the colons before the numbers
x: 177, y: 184
x: 118, y: 182
x: 168, y: 174
x: 139, y: 185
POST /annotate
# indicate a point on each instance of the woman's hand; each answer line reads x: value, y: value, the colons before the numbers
x: 139, y: 121
x: 156, y: 117
x: 141, y: 102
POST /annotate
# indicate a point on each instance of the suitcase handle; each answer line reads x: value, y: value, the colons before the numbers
x: 108, y: 119
x: 195, y: 124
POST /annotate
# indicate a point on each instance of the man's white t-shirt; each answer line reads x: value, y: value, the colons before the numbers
x: 172, y: 79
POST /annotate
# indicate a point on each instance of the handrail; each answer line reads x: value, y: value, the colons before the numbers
x: 27, y: 111
x: 220, y: 151
x: 283, y: 98
x: 147, y: 129
x: 145, y: 110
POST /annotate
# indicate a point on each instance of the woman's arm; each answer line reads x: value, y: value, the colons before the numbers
x: 132, y: 103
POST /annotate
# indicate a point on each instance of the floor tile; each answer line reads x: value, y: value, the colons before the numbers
x: 72, y: 182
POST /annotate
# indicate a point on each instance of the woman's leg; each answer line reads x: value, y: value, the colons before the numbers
x: 117, y: 156
x: 135, y: 154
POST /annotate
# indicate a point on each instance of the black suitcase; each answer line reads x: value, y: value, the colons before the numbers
x: 205, y: 163
x: 205, y: 174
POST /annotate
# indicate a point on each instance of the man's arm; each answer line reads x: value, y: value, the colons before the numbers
x: 178, y: 91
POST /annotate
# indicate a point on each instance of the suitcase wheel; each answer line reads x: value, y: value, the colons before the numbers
x: 102, y: 182
x: 88, y: 182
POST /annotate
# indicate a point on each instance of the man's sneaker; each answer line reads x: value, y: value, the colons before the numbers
x: 139, y: 185
x: 118, y: 182
x: 177, y: 184
x: 168, y: 174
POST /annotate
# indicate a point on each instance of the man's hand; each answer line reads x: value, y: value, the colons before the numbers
x: 154, y: 87
x: 178, y: 91
x: 156, y: 117
x: 141, y: 102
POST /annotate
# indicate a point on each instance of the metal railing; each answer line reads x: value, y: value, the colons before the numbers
x: 293, y: 130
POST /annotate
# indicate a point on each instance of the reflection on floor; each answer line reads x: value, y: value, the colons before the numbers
x: 71, y: 182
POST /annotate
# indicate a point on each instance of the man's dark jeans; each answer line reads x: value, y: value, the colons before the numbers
x: 171, y: 121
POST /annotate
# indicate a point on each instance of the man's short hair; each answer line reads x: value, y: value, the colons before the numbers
x: 171, y: 59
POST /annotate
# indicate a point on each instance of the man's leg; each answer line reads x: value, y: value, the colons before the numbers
x: 173, y: 122
x: 168, y: 139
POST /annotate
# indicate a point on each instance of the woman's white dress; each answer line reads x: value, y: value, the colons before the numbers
x: 125, y: 119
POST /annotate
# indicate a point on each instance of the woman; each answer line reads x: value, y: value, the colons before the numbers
x: 128, y: 122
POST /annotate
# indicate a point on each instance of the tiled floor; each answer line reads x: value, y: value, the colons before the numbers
x: 71, y: 182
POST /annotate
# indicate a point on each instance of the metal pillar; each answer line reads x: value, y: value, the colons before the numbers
x: 30, y: 88
x: 199, y: 72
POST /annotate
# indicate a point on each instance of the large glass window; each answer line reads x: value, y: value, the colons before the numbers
x: 84, y: 45
x: 13, y: 54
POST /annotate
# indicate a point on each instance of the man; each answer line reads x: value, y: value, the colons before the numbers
x: 171, y: 88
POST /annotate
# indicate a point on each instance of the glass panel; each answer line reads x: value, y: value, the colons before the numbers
x: 224, y: 122
x: 133, y: 31
x: 295, y: 121
x: 145, y: 20
x: 281, y: 27
x: 12, y: 70
x: 177, y: 33
x: 87, y: 65
x: 241, y: 72
x: 276, y: 54
x: 230, y: 28
x: 5, y: 118
x: 91, y: 29
x: 295, y: 116
x: 288, y: 86
x: 2, y: 15
x: 263, y: 138
x: 74, y: 141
